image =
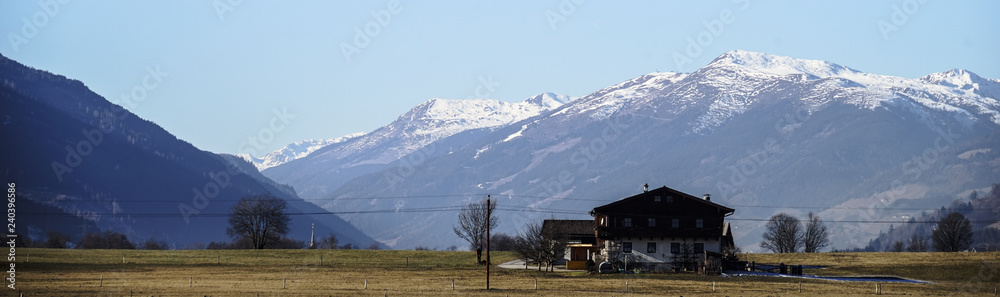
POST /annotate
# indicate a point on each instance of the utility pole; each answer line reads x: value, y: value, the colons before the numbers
x: 488, y: 217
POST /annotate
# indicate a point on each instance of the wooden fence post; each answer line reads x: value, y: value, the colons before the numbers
x: 453, y: 284
x: 283, y: 282
x: 102, y: 281
x: 536, y: 284
x: 190, y: 282
x: 366, y: 284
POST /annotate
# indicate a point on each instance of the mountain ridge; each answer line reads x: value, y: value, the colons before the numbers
x: 747, y: 136
x: 430, y: 121
x: 82, y: 161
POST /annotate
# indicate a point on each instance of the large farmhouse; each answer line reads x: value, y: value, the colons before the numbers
x: 663, y: 229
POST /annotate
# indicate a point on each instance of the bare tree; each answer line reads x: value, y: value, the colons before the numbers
x: 109, y: 240
x: 56, y: 240
x: 953, y: 233
x: 917, y: 244
x: 782, y: 234
x: 527, y: 243
x: 685, y: 259
x: 816, y: 236
x: 329, y: 242
x: 259, y: 218
x: 897, y: 246
x: 152, y: 244
x: 540, y: 244
x: 472, y: 224
x: 502, y: 242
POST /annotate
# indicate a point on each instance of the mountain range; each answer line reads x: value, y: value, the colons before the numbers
x: 293, y: 151
x: 761, y: 133
x: 316, y: 174
x: 80, y: 164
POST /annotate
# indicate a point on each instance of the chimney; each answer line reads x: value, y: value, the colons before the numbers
x: 645, y: 188
x: 708, y: 197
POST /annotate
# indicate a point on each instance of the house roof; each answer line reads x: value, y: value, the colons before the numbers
x: 662, y: 191
x: 569, y: 227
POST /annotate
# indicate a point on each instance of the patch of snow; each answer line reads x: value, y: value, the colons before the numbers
x: 515, y: 134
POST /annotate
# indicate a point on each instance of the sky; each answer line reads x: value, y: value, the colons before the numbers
x: 245, y: 76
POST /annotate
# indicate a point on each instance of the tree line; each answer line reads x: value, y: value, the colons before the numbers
x: 784, y: 233
x: 255, y: 222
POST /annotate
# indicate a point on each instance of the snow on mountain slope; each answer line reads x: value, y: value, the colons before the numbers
x: 750, y: 128
x: 435, y: 119
x: 957, y: 91
x: 293, y: 151
x: 439, y: 118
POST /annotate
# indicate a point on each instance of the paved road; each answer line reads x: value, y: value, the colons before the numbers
x: 519, y: 264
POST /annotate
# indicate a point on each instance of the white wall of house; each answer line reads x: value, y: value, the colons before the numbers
x: 662, y: 257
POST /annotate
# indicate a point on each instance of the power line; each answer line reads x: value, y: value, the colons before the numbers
x: 458, y: 208
x: 536, y: 197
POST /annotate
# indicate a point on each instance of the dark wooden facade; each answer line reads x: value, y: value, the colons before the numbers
x: 660, y: 213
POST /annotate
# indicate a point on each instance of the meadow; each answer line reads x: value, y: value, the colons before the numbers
x: 63, y: 272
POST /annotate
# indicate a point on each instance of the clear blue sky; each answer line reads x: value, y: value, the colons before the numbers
x: 228, y: 68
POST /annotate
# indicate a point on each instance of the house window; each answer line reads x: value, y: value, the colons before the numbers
x: 675, y: 223
x: 656, y: 199
x: 670, y: 199
x: 699, y: 223
x: 650, y: 247
x: 652, y: 222
x: 675, y: 247
x: 699, y: 248
x: 627, y: 247
x: 628, y: 222
x: 604, y: 221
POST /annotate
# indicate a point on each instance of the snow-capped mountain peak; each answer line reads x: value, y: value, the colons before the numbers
x: 957, y: 78
x: 294, y: 151
x: 440, y: 118
x: 549, y: 100
x: 779, y: 65
x: 428, y: 122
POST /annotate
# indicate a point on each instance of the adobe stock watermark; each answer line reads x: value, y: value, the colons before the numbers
x: 48, y: 9
x: 223, y: 7
x: 563, y: 11
x: 484, y: 89
x: 984, y: 280
x: 913, y: 169
x: 899, y: 16
x: 582, y: 157
x: 487, y: 84
x: 714, y: 28
x: 219, y: 180
x: 363, y: 37
x: 154, y: 76
x: 93, y: 138
x: 203, y: 196
x: 254, y: 144
x: 750, y: 165
x: 408, y: 165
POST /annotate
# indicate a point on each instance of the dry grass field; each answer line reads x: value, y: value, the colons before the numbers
x: 56, y: 272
